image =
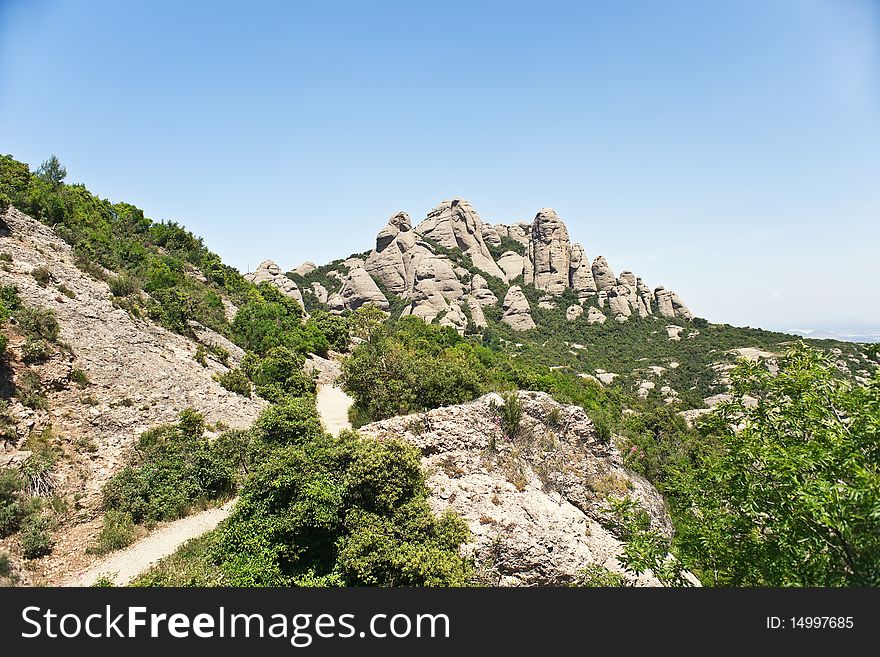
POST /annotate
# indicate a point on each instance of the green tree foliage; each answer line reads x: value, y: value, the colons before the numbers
x: 793, y: 498
x: 174, y: 469
x: 339, y: 512
x: 52, y: 172
x: 278, y: 374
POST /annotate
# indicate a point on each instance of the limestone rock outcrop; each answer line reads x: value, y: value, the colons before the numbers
x: 573, y: 312
x: 549, y: 253
x: 511, y: 263
x: 477, y: 315
x: 305, y: 268
x: 580, y: 274
x: 520, y: 232
x: 481, y: 292
x: 670, y: 305
x: 269, y: 272
x: 602, y: 274
x: 517, y: 312
x: 533, y: 511
x: 455, y: 318
x: 595, y: 316
x: 359, y: 289
x: 455, y: 224
x: 391, y: 261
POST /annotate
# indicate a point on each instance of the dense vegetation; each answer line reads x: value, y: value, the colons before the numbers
x: 319, y: 511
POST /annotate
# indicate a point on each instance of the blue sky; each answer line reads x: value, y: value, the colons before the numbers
x: 730, y: 151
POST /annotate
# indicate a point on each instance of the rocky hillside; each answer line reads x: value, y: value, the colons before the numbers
x: 452, y: 266
x: 535, y: 496
x: 107, y: 379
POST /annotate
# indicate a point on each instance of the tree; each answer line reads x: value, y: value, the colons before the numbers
x: 52, y: 171
x: 793, y: 498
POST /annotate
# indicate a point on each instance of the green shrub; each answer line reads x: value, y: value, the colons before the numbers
x: 175, y: 469
x: 36, y: 537
x: 5, y: 256
x: 235, y: 381
x: 201, y: 356
x: 509, y: 414
x: 5, y: 565
x: 30, y: 391
x: 39, y: 323
x: 79, y: 377
x: 122, y: 285
x: 9, y: 300
x: 66, y: 291
x: 595, y: 576
x: 12, y: 510
x: 36, y: 350
x: 354, y: 512
x: 117, y: 532
x: 292, y: 422
x: 279, y: 374
x: 42, y: 276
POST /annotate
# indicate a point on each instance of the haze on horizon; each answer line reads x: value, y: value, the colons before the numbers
x: 730, y: 152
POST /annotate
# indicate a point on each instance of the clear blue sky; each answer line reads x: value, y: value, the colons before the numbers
x: 728, y: 150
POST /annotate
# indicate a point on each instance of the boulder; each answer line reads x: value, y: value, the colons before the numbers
x: 595, y: 316
x: 360, y: 289
x: 477, y: 315
x: 573, y: 312
x: 549, y: 252
x: 490, y: 235
x: 602, y: 274
x: 517, y: 312
x: 511, y: 264
x: 389, y: 263
x: 456, y: 225
x: 320, y: 292
x: 455, y: 318
x: 481, y: 293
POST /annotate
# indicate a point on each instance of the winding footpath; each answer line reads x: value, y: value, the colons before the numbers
x: 125, y: 565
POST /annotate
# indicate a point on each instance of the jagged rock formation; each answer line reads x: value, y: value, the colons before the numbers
x: 517, y: 312
x: 477, y: 315
x: 580, y: 275
x: 530, y: 501
x: 456, y: 225
x: 549, y: 253
x: 359, y: 289
x: 269, y: 272
x: 407, y: 263
x: 573, y: 312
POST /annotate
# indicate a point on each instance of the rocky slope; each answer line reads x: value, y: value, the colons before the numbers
x: 535, y: 500
x: 418, y: 264
x: 139, y: 375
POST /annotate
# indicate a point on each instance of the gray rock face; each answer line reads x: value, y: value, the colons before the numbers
x: 391, y: 262
x: 455, y: 318
x: 477, y: 315
x: 359, y: 289
x: 490, y: 235
x: 455, y: 224
x: 511, y: 263
x: 320, y: 291
x: 627, y: 278
x: 602, y: 274
x: 670, y: 305
x: 595, y: 316
x: 618, y: 303
x: 580, y: 274
x: 517, y: 312
x: 269, y: 272
x: 520, y: 232
x: 573, y: 312
x: 481, y: 292
x: 549, y: 252
x: 336, y: 303
x: 534, y: 513
x: 305, y: 268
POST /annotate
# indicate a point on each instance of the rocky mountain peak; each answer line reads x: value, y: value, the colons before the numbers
x: 269, y: 272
